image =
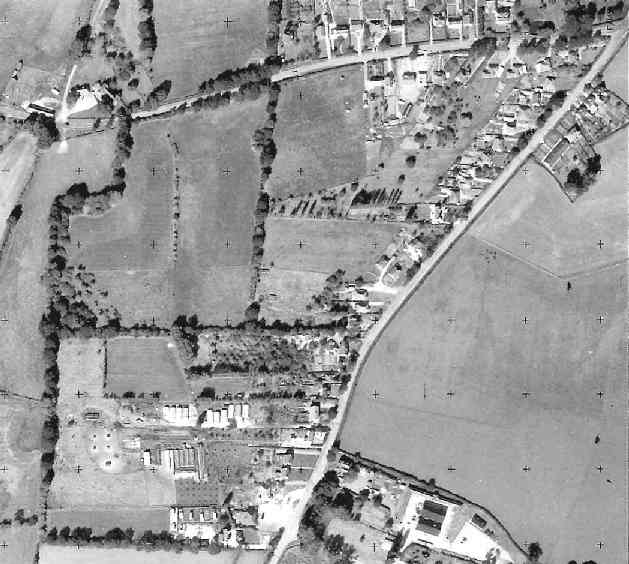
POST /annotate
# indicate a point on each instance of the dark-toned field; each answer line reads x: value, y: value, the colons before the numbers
x: 220, y: 184
x: 197, y: 40
x: 320, y: 132
x: 498, y: 368
x: 144, y: 365
x: 100, y: 521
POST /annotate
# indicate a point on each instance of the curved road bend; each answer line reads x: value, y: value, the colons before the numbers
x: 480, y: 205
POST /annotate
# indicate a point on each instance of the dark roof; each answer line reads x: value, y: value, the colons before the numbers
x: 435, y: 507
x: 191, y: 493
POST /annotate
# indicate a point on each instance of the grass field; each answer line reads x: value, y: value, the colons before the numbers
x: 39, y: 32
x: 529, y: 207
x: 220, y: 183
x: 322, y: 132
x: 20, y: 435
x: 17, y: 159
x: 50, y: 554
x: 615, y: 75
x: 22, y: 294
x: 122, y: 238
x: 488, y: 357
x: 297, y: 273
x: 21, y: 544
x: 194, y: 43
x: 144, y: 365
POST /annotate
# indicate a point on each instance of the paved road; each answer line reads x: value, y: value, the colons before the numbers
x: 392, y: 52
x: 480, y: 205
x: 318, y: 66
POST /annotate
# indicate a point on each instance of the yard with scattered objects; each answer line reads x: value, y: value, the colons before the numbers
x: 320, y: 132
x: 494, y: 367
x: 197, y: 40
x: 144, y: 365
x: 22, y: 293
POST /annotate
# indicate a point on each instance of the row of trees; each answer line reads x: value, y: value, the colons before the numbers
x: 117, y: 537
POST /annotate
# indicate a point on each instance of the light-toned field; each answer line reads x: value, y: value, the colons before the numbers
x: 220, y: 184
x: 22, y: 293
x: 616, y: 73
x: 145, y: 365
x: 194, y: 43
x: 489, y: 356
x: 364, y: 539
x: 50, y: 554
x: 326, y: 245
x: 39, y: 32
x: 17, y: 159
x: 21, y: 544
x: 322, y: 133
x: 284, y: 294
x: 536, y: 222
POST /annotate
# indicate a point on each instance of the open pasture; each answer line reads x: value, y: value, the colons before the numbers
x: 326, y: 245
x: 219, y: 185
x: 21, y: 541
x: 197, y: 40
x: 591, y: 233
x: 615, y: 74
x: 39, y: 32
x: 320, y: 132
x: 493, y: 367
x: 21, y: 422
x: 136, y: 233
x: 22, y: 293
x: 16, y: 166
x: 144, y: 365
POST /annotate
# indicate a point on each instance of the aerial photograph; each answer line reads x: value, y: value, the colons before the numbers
x: 314, y: 282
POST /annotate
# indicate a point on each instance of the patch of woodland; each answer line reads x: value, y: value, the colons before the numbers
x: 234, y: 78
x: 11, y: 224
x: 274, y: 19
x: 146, y: 29
x: 43, y: 127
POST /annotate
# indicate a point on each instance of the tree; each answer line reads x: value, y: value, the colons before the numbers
x: 334, y: 543
x: 208, y: 392
x: 410, y: 161
x: 534, y: 552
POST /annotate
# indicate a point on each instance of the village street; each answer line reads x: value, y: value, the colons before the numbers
x: 480, y: 205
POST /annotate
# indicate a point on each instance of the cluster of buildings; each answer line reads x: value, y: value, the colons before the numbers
x: 421, y: 516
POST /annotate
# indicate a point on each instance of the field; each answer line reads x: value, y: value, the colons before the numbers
x: 122, y: 239
x: 17, y: 159
x: 50, y: 554
x: 93, y: 467
x: 321, y: 130
x: 21, y: 544
x: 507, y: 390
x: 298, y: 272
x: 144, y: 365
x: 207, y: 161
x: 529, y: 206
x: 615, y: 75
x: 194, y: 43
x: 22, y: 294
x: 39, y: 32
x: 220, y: 184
